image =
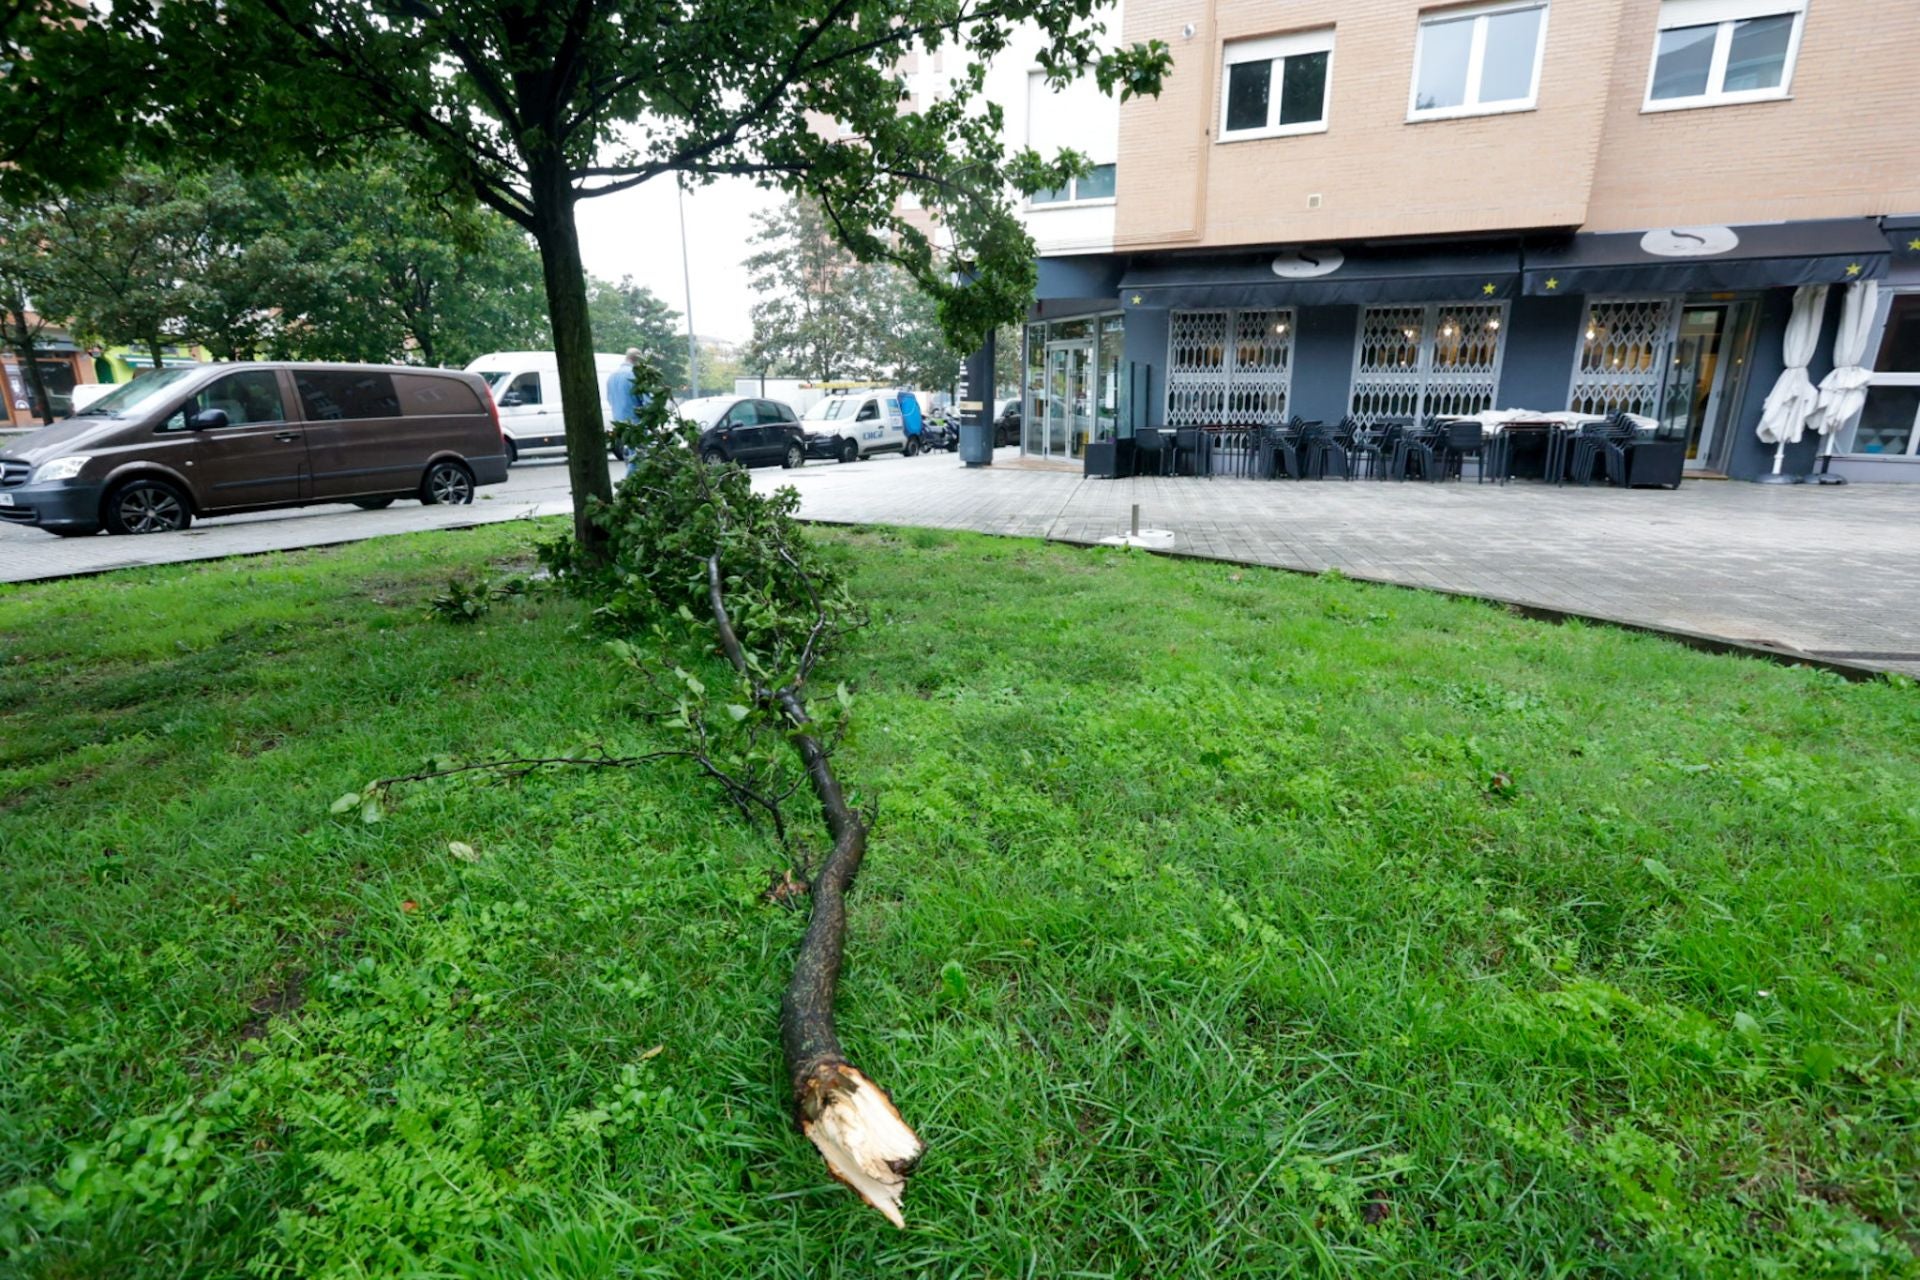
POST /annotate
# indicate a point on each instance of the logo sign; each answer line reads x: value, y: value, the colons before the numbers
x: 1306, y: 264
x: 1690, y: 242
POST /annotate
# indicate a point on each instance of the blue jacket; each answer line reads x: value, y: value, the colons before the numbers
x: 620, y: 393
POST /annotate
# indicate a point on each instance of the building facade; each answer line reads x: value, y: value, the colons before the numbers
x: 1389, y: 208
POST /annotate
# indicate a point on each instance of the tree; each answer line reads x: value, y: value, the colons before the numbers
x: 718, y: 372
x: 25, y: 270
x: 533, y: 108
x: 360, y: 263
x: 627, y: 315
x: 809, y: 320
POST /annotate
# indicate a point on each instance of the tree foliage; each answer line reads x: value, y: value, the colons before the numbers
x: 628, y: 315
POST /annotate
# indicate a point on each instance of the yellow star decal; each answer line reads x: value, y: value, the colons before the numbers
x: 1914, y: 245
x: 1137, y: 299
x: 1487, y: 289
x: 1853, y: 268
x: 1553, y: 282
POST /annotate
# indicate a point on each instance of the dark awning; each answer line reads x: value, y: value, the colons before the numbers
x: 1315, y: 275
x: 1771, y: 255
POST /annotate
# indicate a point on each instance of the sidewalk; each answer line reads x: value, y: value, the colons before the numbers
x: 1833, y: 573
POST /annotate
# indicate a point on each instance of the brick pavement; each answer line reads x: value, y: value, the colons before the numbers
x: 1834, y: 572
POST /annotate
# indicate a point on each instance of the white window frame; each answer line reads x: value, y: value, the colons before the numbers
x: 1476, y: 61
x: 1723, y: 14
x: 1844, y: 443
x: 1273, y: 50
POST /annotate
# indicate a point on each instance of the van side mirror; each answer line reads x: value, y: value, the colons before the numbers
x: 207, y: 420
x: 511, y: 400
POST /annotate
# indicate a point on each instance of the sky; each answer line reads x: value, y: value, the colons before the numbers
x: 637, y: 233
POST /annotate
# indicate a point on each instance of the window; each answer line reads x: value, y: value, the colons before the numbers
x: 252, y: 396
x: 1418, y: 360
x: 1096, y: 184
x: 743, y: 415
x: 868, y: 412
x: 331, y: 396
x: 1889, y: 422
x: 1621, y: 359
x: 1714, y: 53
x: 1229, y: 368
x: 527, y: 387
x: 770, y: 414
x: 1276, y: 86
x: 1478, y: 61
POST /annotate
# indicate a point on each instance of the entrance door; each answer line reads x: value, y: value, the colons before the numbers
x: 1069, y: 398
x: 1711, y: 342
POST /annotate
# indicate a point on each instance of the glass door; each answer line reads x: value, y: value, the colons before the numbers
x: 1710, y: 346
x: 1069, y: 399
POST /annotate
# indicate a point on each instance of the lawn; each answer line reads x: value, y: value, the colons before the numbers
x: 1218, y: 922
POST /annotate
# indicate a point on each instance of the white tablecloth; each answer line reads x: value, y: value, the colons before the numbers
x: 1493, y: 420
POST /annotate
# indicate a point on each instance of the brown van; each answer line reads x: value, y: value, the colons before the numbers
x: 215, y: 439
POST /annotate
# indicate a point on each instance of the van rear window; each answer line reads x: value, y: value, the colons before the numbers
x: 330, y: 396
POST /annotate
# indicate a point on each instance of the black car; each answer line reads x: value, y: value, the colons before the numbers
x: 747, y: 430
x: 1006, y: 427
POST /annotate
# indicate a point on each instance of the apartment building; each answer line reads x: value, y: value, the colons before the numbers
x: 1389, y: 208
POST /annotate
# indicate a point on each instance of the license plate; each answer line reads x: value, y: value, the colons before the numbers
x: 6, y: 499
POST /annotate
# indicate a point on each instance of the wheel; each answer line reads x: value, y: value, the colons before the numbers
x: 513, y: 451
x: 75, y: 531
x: 712, y: 457
x: 447, y: 482
x: 372, y: 504
x: 849, y: 451
x: 913, y: 446
x: 796, y: 456
x: 147, y: 504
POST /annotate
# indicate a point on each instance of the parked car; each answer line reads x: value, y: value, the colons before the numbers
x: 854, y: 426
x: 526, y: 386
x: 1006, y: 424
x: 214, y: 439
x: 747, y: 430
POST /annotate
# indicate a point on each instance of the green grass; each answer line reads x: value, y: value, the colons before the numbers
x: 1218, y: 923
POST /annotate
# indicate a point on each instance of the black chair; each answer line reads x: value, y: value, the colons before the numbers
x: 1583, y: 451
x: 1279, y: 452
x: 1646, y: 460
x: 1467, y: 439
x: 1426, y: 448
x: 1153, y: 453
x: 1364, y: 447
x: 1195, y: 448
x: 1319, y: 445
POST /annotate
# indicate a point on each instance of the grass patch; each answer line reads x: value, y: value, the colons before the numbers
x: 1218, y: 922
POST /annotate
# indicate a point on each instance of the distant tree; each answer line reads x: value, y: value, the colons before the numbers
x: 809, y: 320
x: 1008, y: 354
x: 718, y: 372
x: 116, y: 275
x: 630, y: 315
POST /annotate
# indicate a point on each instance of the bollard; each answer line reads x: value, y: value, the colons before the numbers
x: 1136, y: 520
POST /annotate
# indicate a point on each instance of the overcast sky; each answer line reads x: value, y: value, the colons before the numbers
x: 637, y: 233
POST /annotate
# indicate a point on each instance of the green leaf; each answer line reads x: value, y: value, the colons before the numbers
x: 1659, y: 871
x: 348, y: 801
x: 737, y: 711
x: 1747, y: 1025
x: 370, y: 811
x: 462, y: 850
x: 845, y: 698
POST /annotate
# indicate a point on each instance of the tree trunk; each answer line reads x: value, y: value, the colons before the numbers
x: 28, y: 355
x: 566, y: 281
x: 159, y: 359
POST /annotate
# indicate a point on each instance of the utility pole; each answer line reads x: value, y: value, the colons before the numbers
x: 686, y: 275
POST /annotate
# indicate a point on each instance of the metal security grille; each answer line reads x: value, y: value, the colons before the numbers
x: 1229, y: 368
x: 1412, y: 361
x: 1622, y: 357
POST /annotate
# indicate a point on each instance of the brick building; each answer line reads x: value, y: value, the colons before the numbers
x: 1386, y: 208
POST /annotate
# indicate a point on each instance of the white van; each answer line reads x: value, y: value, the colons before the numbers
x: 526, y: 386
x: 854, y: 425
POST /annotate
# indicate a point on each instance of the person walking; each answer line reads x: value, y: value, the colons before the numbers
x: 620, y: 399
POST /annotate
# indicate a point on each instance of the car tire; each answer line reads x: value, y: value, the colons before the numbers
x: 513, y: 451
x: 712, y: 457
x: 849, y: 451
x: 372, y: 504
x: 73, y: 531
x: 796, y: 456
x: 912, y: 448
x: 447, y: 482
x: 147, y: 504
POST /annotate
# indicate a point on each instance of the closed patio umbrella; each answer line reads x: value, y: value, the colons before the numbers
x: 1784, y: 418
x: 1844, y: 391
